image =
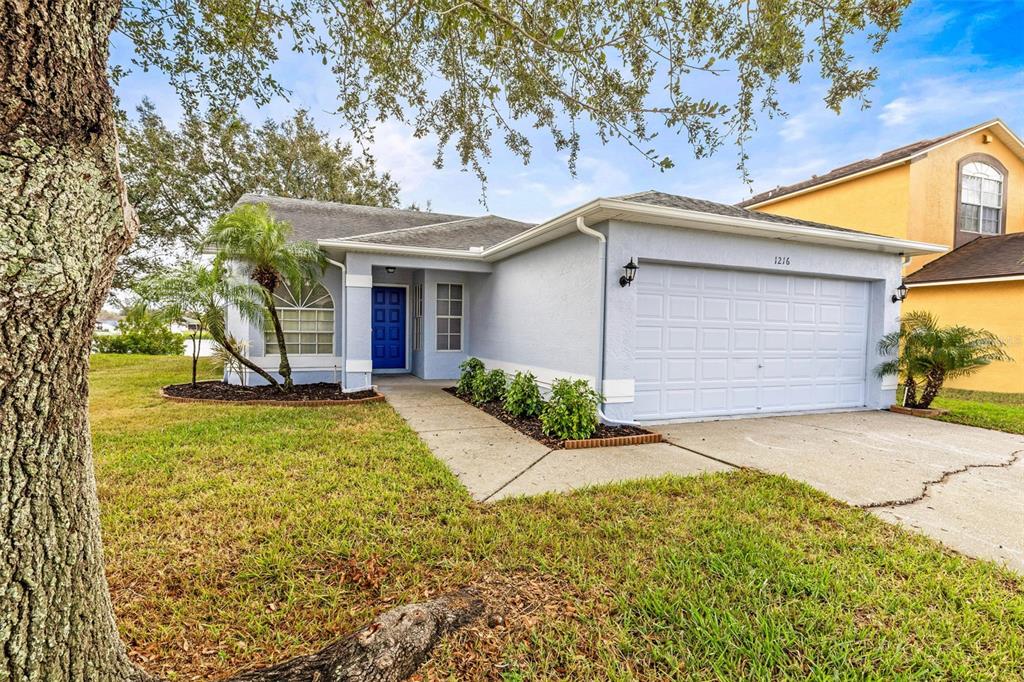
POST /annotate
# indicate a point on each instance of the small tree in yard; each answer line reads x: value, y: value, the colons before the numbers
x: 250, y: 235
x: 202, y: 292
x: 922, y: 351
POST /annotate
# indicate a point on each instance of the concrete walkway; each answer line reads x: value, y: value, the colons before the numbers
x: 495, y: 461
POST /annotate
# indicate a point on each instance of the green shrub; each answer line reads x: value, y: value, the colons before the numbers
x: 469, y: 370
x: 142, y: 342
x: 489, y: 386
x: 571, y: 411
x: 523, y: 396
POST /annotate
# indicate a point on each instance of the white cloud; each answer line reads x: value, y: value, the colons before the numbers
x: 967, y: 98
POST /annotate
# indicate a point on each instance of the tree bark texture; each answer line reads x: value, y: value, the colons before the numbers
x: 64, y: 220
x: 284, y: 367
x: 237, y: 355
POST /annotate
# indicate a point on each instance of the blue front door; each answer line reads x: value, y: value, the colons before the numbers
x: 388, y: 328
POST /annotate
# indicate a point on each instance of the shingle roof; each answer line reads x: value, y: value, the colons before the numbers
x: 312, y: 220
x: 462, y: 234
x: 704, y: 206
x: 898, y: 154
x: 1000, y: 256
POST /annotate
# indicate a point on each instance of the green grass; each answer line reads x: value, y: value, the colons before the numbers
x: 1000, y: 411
x: 240, y: 535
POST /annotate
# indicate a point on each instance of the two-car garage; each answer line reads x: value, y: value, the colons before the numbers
x: 712, y: 342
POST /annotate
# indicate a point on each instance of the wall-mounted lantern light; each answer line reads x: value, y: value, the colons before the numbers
x: 901, y: 293
x: 390, y: 270
x: 628, y: 273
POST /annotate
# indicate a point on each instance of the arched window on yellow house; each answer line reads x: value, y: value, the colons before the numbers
x: 982, y: 197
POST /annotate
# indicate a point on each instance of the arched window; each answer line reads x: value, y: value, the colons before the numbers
x: 307, y: 317
x: 982, y: 188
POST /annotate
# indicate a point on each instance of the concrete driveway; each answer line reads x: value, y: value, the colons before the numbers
x: 961, y: 485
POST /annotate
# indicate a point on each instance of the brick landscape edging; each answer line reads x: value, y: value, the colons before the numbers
x: 273, y: 403
x: 917, y: 411
x: 639, y: 439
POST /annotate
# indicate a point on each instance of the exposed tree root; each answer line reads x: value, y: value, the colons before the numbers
x: 390, y: 649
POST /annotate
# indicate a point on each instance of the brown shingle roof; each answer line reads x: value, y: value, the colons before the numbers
x: 984, y: 257
x: 898, y: 154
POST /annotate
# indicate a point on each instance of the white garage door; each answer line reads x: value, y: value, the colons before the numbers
x: 713, y: 342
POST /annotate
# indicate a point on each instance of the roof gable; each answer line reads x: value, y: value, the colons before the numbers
x: 885, y: 160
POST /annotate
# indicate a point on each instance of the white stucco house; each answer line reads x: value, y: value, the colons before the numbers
x: 730, y: 312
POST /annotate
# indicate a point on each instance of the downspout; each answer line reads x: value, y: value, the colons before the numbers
x: 581, y: 225
x: 344, y: 328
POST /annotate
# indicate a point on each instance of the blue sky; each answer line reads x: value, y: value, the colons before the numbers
x: 952, y: 64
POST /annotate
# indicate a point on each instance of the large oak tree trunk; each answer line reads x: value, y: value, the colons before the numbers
x: 64, y: 220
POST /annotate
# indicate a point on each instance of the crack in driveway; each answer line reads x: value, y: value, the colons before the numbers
x: 944, y: 478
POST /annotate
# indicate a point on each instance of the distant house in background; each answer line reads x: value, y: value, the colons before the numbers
x: 964, y: 190
x: 107, y: 321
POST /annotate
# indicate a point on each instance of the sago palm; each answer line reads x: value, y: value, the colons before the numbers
x: 253, y: 238
x: 921, y: 350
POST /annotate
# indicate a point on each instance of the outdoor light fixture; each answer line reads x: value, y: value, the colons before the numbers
x: 628, y: 273
x: 901, y: 293
x: 390, y: 270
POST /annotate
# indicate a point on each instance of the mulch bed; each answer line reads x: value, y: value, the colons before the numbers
x: 306, y: 394
x: 531, y: 426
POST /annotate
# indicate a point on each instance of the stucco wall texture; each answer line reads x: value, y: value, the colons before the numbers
x: 997, y: 307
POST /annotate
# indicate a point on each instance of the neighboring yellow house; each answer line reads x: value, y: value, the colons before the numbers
x: 964, y: 190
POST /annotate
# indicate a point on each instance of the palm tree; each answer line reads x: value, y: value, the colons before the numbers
x: 921, y: 350
x: 202, y: 293
x: 250, y: 236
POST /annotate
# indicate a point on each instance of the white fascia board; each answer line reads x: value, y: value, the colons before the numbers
x: 394, y: 248
x: 769, y: 229
x: 976, y: 280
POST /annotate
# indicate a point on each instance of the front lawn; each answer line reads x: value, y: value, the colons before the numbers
x: 1002, y: 411
x: 240, y: 535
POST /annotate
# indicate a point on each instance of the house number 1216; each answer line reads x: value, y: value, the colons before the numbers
x: 782, y: 260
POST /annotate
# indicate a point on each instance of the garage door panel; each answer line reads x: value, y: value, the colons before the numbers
x: 677, y: 370
x: 650, y: 305
x: 682, y: 339
x: 777, y: 311
x: 714, y: 340
x: 718, y: 342
x: 683, y: 307
x: 715, y: 309
x: 744, y: 340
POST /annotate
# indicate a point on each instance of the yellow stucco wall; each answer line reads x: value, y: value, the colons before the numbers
x: 878, y: 203
x: 997, y: 307
x: 933, y: 191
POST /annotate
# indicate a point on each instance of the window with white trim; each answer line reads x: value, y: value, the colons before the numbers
x: 449, y: 317
x: 307, y: 319
x: 417, y: 317
x: 981, y: 198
